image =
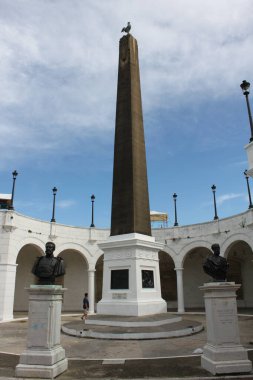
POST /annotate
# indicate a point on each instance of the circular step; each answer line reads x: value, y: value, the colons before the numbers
x: 132, y: 328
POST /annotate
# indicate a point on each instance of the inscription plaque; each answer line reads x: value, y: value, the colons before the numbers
x: 120, y: 279
x: 119, y: 296
x: 147, y: 279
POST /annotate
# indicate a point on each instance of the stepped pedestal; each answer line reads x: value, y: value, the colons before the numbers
x: 131, y: 281
x: 223, y: 352
x: 44, y: 356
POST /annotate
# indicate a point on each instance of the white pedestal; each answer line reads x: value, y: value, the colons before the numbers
x: 135, y: 253
x: 223, y: 352
x: 44, y: 356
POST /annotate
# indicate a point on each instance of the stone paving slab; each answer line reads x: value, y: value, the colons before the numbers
x: 166, y: 368
x: 86, y: 355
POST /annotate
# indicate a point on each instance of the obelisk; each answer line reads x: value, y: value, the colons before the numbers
x: 131, y: 278
x: 130, y: 200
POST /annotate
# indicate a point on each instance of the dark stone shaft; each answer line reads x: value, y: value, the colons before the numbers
x: 130, y: 199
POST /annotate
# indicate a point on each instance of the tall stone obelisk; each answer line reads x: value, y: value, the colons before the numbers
x: 131, y: 278
x: 130, y: 200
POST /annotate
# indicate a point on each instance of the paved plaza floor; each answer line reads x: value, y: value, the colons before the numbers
x: 172, y: 358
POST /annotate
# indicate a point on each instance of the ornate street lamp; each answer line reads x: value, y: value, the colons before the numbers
x: 247, y: 180
x: 245, y: 89
x: 92, y: 210
x: 14, y: 176
x: 54, y: 190
x: 214, y: 202
x: 175, y: 208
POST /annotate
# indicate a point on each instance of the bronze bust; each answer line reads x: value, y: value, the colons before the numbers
x: 215, y: 265
x: 47, y: 267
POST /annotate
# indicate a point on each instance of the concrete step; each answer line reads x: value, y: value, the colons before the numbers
x: 143, y: 321
x: 131, y: 330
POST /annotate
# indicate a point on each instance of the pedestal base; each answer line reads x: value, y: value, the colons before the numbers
x: 41, y: 371
x: 139, y: 292
x: 44, y: 356
x: 131, y: 308
x: 223, y: 352
x: 221, y: 360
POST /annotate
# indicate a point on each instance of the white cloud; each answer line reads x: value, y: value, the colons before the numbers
x: 58, y: 63
x: 227, y: 197
x: 67, y: 203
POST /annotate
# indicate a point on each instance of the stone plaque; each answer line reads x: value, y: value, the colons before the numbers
x: 119, y: 296
x: 147, y: 278
x: 120, y: 279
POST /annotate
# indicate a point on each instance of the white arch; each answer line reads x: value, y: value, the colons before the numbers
x: 233, y: 239
x: 22, y: 243
x: 170, y: 252
x: 98, y: 253
x: 85, y: 253
x: 189, y: 247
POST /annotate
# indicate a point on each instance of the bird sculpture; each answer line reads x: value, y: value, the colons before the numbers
x: 127, y: 28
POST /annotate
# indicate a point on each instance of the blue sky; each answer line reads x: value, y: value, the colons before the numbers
x: 58, y: 75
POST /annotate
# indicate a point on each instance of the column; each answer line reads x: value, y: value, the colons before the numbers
x: 7, y: 290
x: 180, y: 290
x: 91, y: 289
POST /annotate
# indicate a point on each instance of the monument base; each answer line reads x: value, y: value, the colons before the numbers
x: 223, y: 360
x: 44, y: 356
x: 138, y: 308
x: 41, y: 371
x: 223, y: 352
x: 131, y: 279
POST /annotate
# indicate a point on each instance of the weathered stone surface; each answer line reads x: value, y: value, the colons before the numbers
x: 130, y: 200
x: 44, y: 356
x: 223, y: 352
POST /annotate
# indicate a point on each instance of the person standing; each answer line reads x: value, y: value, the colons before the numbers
x: 86, y: 306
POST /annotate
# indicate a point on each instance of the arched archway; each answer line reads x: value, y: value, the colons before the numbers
x: 75, y: 279
x: 24, y: 277
x: 99, y: 279
x: 239, y: 256
x: 194, y: 276
x: 168, y: 279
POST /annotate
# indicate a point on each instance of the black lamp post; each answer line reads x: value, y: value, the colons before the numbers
x: 175, y: 208
x: 245, y: 89
x: 92, y: 210
x: 54, y: 195
x: 14, y: 176
x: 214, y: 202
x: 247, y: 180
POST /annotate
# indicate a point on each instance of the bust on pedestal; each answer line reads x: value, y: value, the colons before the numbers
x: 44, y: 356
x: 48, y: 267
x: 215, y: 265
x: 223, y: 352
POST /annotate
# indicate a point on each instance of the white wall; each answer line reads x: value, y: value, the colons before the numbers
x: 24, y: 277
x: 75, y: 280
x: 82, y: 245
x: 194, y: 276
